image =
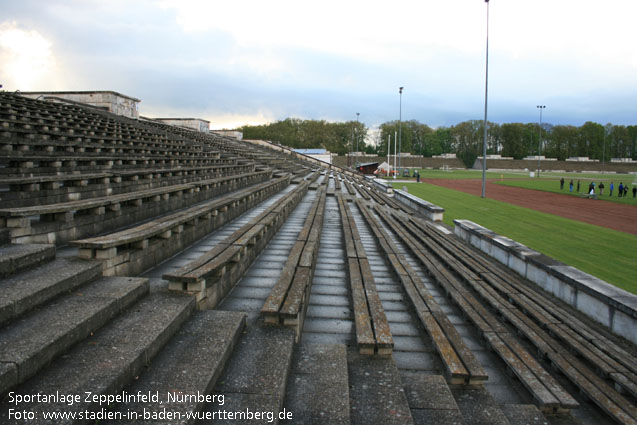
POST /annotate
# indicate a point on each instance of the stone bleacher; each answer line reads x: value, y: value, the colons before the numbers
x: 131, y: 195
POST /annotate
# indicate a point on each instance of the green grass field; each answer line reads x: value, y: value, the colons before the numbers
x: 552, y: 184
x: 604, y: 253
x: 548, y: 181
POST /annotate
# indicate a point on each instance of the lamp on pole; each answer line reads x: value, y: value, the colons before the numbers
x: 486, y: 91
x: 539, y: 140
x: 357, y: 136
x: 400, y: 125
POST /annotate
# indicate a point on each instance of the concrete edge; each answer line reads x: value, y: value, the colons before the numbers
x: 607, y: 304
x: 431, y: 211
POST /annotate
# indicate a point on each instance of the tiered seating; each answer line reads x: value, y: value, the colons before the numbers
x: 133, y: 251
x: 373, y: 335
x: 64, y: 328
x: 460, y: 363
x: 549, y: 395
x: 73, y: 171
x: 212, y: 275
x: 574, y: 348
x: 287, y: 302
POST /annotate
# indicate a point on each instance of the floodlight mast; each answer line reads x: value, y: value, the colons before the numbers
x: 357, y: 137
x: 539, y: 140
x: 486, y: 91
x: 400, y: 126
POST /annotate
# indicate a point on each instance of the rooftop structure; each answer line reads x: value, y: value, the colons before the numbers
x: 110, y: 101
x: 318, y: 153
x: 191, y: 123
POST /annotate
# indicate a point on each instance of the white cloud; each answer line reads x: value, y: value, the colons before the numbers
x: 218, y: 120
x: 27, y: 59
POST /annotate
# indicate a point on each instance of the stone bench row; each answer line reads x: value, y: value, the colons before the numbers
x: 132, y: 251
x: 289, y: 298
x: 461, y: 366
x: 546, y: 391
x: 30, y: 166
x: 28, y: 108
x: 110, y: 130
x: 93, y: 129
x: 373, y: 335
x: 556, y: 340
x: 14, y: 148
x: 611, y: 306
x: 600, y: 352
x: 26, y: 114
x: 552, y: 327
x: 211, y: 276
x: 350, y: 188
x: 33, y: 142
x: 62, y: 222
x: 383, y: 199
x: 50, y: 189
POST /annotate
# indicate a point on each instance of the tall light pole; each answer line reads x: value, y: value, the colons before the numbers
x: 400, y: 126
x: 357, y: 136
x: 604, y: 152
x: 486, y: 91
x: 539, y: 140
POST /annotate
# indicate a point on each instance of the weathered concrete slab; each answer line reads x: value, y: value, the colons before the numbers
x: 111, y: 358
x: 190, y: 364
x: 14, y: 258
x: 428, y: 391
x: 28, y: 289
x: 260, y: 364
x: 40, y: 336
x: 524, y: 414
x: 476, y: 403
x: 376, y: 392
x: 318, y: 386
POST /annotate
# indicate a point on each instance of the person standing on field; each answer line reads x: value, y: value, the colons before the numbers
x: 621, y: 189
x: 612, y: 186
x: 601, y: 188
x: 570, y: 186
x: 562, y: 184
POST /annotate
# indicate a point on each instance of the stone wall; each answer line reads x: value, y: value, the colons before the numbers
x: 601, y: 301
x: 571, y: 166
x: 111, y: 101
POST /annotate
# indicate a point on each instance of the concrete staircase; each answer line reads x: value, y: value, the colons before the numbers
x: 67, y: 330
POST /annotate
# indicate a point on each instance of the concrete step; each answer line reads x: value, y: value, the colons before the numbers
x: 430, y: 399
x: 26, y: 290
x: 187, y: 368
x: 318, y: 388
x: 524, y: 414
x: 104, y: 363
x: 5, y: 236
x: 15, y: 258
x: 376, y: 391
x: 33, y: 340
x: 478, y: 406
x: 256, y: 376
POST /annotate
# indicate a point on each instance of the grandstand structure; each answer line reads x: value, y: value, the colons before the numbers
x: 243, y: 282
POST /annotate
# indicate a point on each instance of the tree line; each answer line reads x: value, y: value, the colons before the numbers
x: 465, y: 139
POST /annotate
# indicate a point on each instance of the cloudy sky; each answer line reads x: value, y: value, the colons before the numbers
x: 237, y: 62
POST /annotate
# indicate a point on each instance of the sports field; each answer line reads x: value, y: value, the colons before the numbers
x: 608, y: 254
